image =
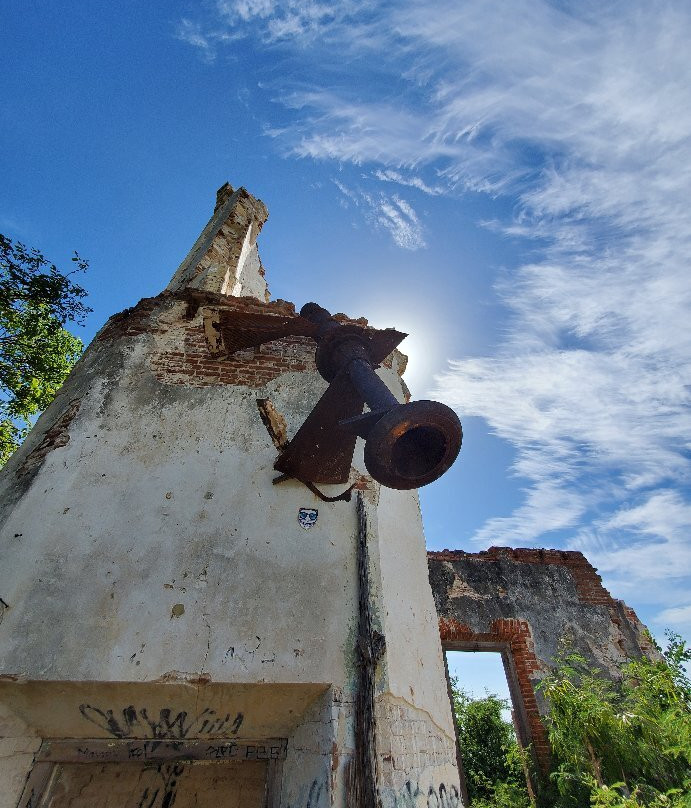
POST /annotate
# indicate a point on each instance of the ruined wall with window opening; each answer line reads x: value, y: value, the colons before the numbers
x: 526, y: 603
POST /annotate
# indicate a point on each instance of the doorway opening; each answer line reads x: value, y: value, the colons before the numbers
x: 128, y: 773
x: 492, y: 733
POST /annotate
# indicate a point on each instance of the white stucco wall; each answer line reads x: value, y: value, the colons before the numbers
x: 149, y: 561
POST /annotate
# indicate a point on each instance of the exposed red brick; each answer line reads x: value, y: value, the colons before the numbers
x: 252, y: 367
x: 588, y: 582
x: 189, y: 362
x: 517, y: 636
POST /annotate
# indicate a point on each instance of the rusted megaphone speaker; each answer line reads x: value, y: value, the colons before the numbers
x: 406, y: 445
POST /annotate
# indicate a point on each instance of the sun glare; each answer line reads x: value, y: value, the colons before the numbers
x: 421, y: 346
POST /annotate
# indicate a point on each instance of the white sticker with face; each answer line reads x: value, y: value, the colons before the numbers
x: 307, y: 517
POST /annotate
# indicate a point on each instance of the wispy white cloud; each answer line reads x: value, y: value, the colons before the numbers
x: 193, y: 34
x: 412, y: 181
x: 349, y: 194
x: 401, y: 221
x: 245, y: 10
x: 275, y: 21
x: 391, y: 214
x: 580, y: 113
x: 678, y: 618
x: 643, y: 550
x: 205, y: 39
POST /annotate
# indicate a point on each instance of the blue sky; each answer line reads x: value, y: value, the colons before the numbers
x: 508, y: 181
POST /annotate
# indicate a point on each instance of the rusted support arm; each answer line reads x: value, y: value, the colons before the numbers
x: 370, y: 386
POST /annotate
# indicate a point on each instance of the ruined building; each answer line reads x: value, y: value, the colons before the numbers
x: 176, y: 629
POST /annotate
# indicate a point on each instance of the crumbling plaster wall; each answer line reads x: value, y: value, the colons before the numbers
x: 415, y: 732
x: 156, y: 579
x: 144, y: 544
x: 159, y: 511
x: 161, y: 546
x: 525, y: 602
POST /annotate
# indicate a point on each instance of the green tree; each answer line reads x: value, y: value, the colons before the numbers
x: 492, y: 760
x: 623, y: 744
x: 36, y: 351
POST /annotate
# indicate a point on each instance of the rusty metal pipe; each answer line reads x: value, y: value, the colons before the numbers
x: 339, y: 349
x: 406, y: 445
x: 370, y: 386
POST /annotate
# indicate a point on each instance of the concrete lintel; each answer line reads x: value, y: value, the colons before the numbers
x: 158, y: 710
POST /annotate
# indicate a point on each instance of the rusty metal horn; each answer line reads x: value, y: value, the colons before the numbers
x: 407, y: 445
x: 413, y: 444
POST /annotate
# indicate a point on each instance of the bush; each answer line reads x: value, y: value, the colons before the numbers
x: 624, y: 744
x: 492, y: 759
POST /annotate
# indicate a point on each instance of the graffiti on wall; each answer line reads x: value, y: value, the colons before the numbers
x: 311, y: 797
x: 412, y: 796
x: 133, y: 722
x: 93, y: 751
x: 162, y: 795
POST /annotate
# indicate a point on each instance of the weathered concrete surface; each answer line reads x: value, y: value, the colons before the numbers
x: 417, y: 733
x: 134, y: 785
x: 151, y: 568
x: 16, y: 759
x: 174, y: 710
x: 525, y: 603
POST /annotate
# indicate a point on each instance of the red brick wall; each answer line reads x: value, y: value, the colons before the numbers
x: 255, y: 367
x: 181, y: 355
x: 622, y: 638
x: 516, y: 635
x: 187, y: 359
x: 588, y: 583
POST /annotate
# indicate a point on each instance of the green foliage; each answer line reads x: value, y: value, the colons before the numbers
x: 492, y: 759
x: 504, y: 795
x: 622, y: 745
x: 36, y: 351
